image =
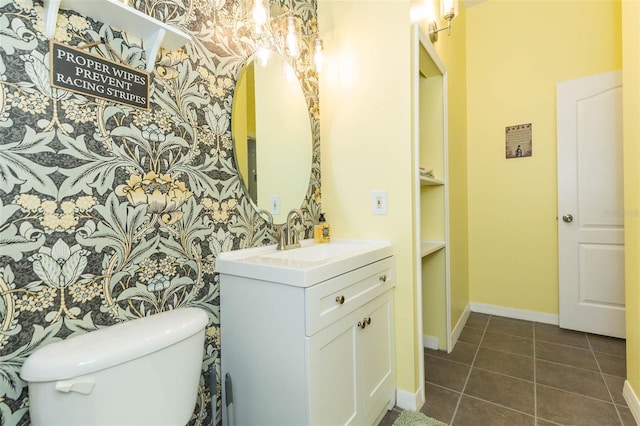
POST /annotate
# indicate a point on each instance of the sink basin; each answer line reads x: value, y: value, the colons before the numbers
x: 303, y: 266
x: 319, y: 252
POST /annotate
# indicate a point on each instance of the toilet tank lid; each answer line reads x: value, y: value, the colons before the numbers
x: 112, y: 345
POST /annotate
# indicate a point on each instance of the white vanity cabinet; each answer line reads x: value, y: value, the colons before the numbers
x: 350, y: 367
x: 318, y: 353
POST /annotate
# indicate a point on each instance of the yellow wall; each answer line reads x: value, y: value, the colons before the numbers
x: 631, y: 136
x: 503, y: 69
x: 366, y: 144
x: 243, y: 119
x: 516, y: 53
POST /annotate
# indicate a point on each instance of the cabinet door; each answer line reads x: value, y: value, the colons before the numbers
x: 333, y: 398
x: 375, y: 357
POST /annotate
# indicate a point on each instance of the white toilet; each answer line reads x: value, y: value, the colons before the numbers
x: 140, y: 372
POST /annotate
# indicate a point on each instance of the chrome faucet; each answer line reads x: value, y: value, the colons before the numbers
x: 289, y: 239
x: 266, y: 213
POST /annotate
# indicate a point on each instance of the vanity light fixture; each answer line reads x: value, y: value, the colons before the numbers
x: 277, y: 26
x: 259, y: 14
x: 448, y: 11
x: 293, y: 49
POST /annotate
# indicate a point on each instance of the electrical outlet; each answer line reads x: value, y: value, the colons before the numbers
x: 379, y: 202
x: 275, y: 204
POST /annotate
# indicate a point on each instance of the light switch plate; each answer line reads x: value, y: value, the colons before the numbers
x: 379, y: 202
x: 275, y: 204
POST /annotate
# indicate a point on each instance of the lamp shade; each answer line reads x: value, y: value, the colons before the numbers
x: 448, y: 9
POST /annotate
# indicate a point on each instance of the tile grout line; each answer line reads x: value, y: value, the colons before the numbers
x: 536, y: 416
x: 515, y: 410
x: 593, y: 353
x: 473, y: 362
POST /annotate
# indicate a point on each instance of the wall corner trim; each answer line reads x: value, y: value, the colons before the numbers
x: 521, y: 314
x: 410, y: 401
x: 632, y: 400
x: 431, y: 342
x: 462, y: 321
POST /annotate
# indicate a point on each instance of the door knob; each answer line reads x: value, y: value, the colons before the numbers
x: 567, y: 218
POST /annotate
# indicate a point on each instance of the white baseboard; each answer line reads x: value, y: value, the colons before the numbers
x: 457, y: 330
x: 514, y: 313
x: 632, y: 401
x: 430, y: 342
x: 410, y: 401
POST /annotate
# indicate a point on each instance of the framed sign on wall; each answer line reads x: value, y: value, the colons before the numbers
x: 518, y: 141
x: 81, y: 72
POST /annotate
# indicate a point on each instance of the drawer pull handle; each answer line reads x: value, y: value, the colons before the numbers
x: 340, y: 299
x: 383, y: 278
x: 365, y: 321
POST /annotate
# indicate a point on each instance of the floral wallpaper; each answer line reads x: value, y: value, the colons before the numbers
x: 109, y: 213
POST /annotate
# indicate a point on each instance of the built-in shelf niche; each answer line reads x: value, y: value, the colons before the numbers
x: 432, y: 192
x: 429, y: 181
x: 428, y: 247
x: 155, y: 34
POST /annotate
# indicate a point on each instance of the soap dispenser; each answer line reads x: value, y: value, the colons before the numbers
x: 321, y: 232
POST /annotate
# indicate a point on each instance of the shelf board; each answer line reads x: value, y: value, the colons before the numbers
x: 428, y: 247
x: 116, y: 14
x: 429, y: 181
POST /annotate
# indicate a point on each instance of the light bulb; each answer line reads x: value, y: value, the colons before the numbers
x: 259, y: 14
x: 292, y: 39
x: 318, y: 55
x: 448, y: 9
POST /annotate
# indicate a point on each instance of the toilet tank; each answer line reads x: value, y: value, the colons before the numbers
x: 140, y: 372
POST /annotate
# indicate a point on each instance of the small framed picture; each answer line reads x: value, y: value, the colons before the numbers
x: 518, y: 141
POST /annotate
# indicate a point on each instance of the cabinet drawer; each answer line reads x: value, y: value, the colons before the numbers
x: 332, y: 299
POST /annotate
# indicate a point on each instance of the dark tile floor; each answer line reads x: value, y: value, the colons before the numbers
x: 512, y: 372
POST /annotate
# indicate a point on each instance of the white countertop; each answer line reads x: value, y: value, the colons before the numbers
x: 304, y: 266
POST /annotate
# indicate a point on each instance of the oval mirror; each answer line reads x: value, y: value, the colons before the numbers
x: 271, y: 130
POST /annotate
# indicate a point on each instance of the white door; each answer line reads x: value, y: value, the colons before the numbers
x: 590, y: 204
